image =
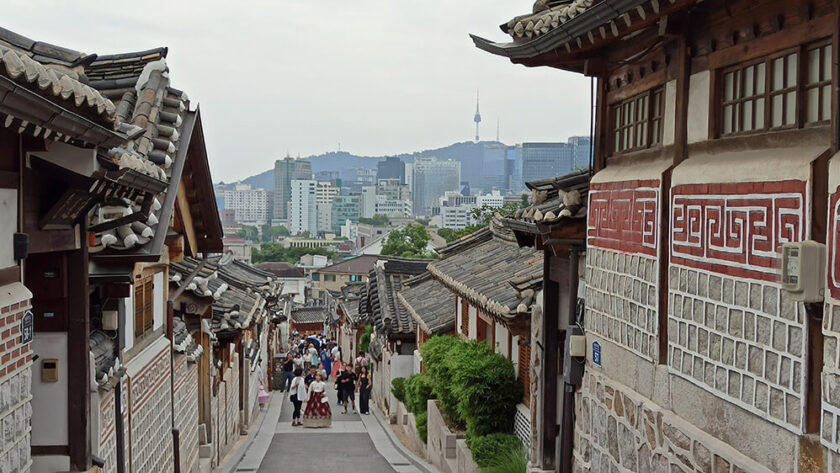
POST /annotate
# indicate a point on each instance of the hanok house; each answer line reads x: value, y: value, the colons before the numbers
x: 350, y: 327
x: 393, y: 341
x: 433, y: 308
x: 227, y: 306
x: 308, y: 320
x: 497, y: 286
x: 716, y: 139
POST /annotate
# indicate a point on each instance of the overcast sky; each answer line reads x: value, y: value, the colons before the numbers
x: 378, y: 76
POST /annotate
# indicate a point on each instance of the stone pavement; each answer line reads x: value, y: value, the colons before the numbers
x: 353, y: 443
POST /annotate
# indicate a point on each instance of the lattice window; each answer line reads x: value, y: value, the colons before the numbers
x: 144, y: 308
x: 525, y: 373
x: 637, y: 121
x: 818, y: 84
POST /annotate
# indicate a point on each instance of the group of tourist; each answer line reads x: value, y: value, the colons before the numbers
x: 321, y: 359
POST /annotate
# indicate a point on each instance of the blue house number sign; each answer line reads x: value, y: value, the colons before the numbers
x: 596, y: 353
x: 27, y: 328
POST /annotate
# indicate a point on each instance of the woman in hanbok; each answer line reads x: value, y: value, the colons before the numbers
x: 317, y: 413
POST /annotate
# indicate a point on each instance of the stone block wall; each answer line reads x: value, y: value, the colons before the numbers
x: 231, y: 429
x: 15, y: 381
x: 107, y: 430
x: 622, y: 299
x: 830, y: 422
x: 150, y: 415
x: 186, y: 412
x: 252, y: 406
x: 618, y: 430
x: 743, y: 340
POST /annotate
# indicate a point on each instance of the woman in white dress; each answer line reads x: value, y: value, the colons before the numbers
x: 318, y: 412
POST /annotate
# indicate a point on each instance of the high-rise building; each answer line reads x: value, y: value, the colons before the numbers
x: 303, y: 208
x: 367, y: 206
x: 345, y: 208
x: 250, y: 206
x: 325, y: 193
x: 544, y: 160
x: 582, y: 148
x: 494, y: 173
x: 391, y: 168
x: 432, y: 178
x: 285, y: 171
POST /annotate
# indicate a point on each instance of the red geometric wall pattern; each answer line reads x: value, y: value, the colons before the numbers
x: 624, y: 216
x: 736, y: 229
x: 834, y: 245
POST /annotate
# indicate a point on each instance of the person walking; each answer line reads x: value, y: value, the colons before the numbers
x: 326, y: 361
x: 314, y: 359
x: 288, y: 373
x: 365, y: 384
x: 317, y: 413
x: 360, y: 361
x: 298, y: 395
x: 347, y: 383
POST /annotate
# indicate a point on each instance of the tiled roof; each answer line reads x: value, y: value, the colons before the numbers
x: 184, y: 342
x: 547, y: 15
x: 309, y: 315
x: 383, y: 308
x: 486, y: 273
x: 282, y: 269
x: 359, y: 265
x: 106, y: 363
x: 348, y: 301
x: 430, y: 304
x: 556, y: 199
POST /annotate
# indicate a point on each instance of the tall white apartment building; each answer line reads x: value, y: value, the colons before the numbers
x: 303, y: 208
x: 367, y: 207
x: 250, y: 206
x: 325, y: 193
x: 493, y: 199
x: 456, y: 210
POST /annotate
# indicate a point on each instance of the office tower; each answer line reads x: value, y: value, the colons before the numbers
x: 285, y: 171
x: 250, y: 206
x: 345, y: 208
x: 390, y: 168
x: 432, y: 178
x: 494, y: 170
x: 367, y: 206
x: 544, y: 160
x: 303, y: 208
x: 582, y: 146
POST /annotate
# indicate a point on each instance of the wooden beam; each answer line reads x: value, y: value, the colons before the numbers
x: 78, y: 358
x: 183, y: 207
x: 549, y: 368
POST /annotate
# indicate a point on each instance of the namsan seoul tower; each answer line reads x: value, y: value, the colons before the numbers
x: 477, y: 118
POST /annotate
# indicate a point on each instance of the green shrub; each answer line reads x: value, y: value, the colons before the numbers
x: 422, y: 428
x: 495, y: 449
x: 486, y: 388
x: 418, y: 390
x: 436, y: 353
x: 364, y: 341
x: 398, y: 388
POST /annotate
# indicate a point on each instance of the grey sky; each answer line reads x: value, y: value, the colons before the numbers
x: 378, y: 76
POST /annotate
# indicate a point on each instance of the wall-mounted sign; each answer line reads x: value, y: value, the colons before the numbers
x: 596, y: 353
x: 27, y: 328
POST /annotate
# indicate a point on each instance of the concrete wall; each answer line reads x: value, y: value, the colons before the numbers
x: 15, y: 379
x: 150, y: 409
x: 186, y: 412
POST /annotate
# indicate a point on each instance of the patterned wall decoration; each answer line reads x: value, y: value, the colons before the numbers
x: 107, y: 430
x: 186, y: 412
x: 624, y: 216
x: 150, y: 416
x: 736, y: 229
x: 834, y: 246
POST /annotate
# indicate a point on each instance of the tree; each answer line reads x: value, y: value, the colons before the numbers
x: 249, y: 232
x: 270, y: 233
x: 378, y: 220
x: 408, y: 242
x: 451, y: 235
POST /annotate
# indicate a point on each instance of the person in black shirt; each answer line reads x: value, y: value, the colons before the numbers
x: 309, y: 377
x: 347, y: 383
x: 288, y: 373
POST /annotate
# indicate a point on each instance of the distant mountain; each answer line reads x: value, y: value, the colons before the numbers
x: 469, y: 154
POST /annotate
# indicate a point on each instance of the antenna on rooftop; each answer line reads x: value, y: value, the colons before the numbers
x: 477, y: 117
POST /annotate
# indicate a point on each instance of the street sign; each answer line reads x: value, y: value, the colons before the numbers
x: 27, y: 327
x: 596, y: 353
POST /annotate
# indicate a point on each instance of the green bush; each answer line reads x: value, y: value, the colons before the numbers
x: 418, y: 390
x: 364, y: 341
x: 495, y: 449
x: 486, y: 388
x: 422, y: 428
x: 436, y: 352
x: 398, y: 388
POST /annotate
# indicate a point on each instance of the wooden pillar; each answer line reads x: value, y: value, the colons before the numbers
x: 547, y: 343
x: 78, y: 356
x: 601, y: 126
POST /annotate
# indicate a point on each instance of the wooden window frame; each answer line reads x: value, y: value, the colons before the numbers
x: 819, y: 85
x: 465, y: 318
x: 524, y: 369
x: 144, y: 305
x: 799, y: 88
x: 651, y: 123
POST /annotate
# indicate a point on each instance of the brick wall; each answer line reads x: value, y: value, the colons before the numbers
x: 150, y: 412
x: 186, y: 412
x: 15, y: 380
x: 107, y: 430
x: 618, y: 430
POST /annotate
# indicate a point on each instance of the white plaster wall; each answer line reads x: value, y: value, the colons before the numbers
x: 8, y: 216
x: 669, y: 120
x: 402, y: 366
x: 698, y: 106
x: 128, y: 330
x: 514, y: 353
x: 458, y: 314
x: 49, y: 400
x: 159, y: 305
x: 501, y: 340
x: 473, y: 332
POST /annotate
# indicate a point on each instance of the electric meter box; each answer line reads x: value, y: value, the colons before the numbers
x: 802, y: 270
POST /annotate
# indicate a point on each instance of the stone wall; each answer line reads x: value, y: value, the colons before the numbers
x: 742, y: 340
x: 15, y: 380
x: 231, y: 378
x: 107, y: 430
x: 186, y: 412
x: 618, y: 430
x: 150, y: 416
